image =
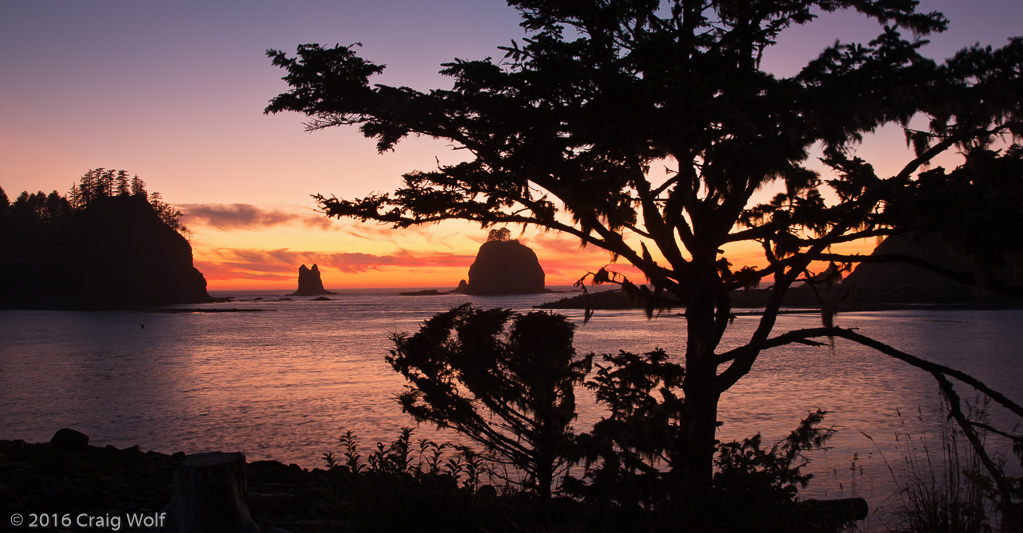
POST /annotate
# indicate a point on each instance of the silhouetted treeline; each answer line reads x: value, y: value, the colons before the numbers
x: 31, y: 208
x: 108, y: 242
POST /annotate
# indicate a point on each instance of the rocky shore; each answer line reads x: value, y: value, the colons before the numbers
x: 67, y: 485
x: 104, y: 488
x: 93, y: 488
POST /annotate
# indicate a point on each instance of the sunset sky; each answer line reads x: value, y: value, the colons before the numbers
x: 174, y: 92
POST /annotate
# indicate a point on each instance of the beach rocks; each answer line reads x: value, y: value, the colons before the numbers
x: 427, y: 292
x: 39, y: 478
x: 95, y: 481
x: 66, y: 439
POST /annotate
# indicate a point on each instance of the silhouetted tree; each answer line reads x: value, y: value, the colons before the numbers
x: 168, y: 214
x: 5, y: 219
x: 121, y: 185
x: 138, y: 187
x: 510, y: 388
x: 101, y: 183
x: 600, y: 92
x: 80, y: 194
x: 96, y: 183
x: 28, y: 207
x: 624, y: 448
x: 976, y: 207
x: 105, y: 183
x: 502, y: 235
x: 57, y: 207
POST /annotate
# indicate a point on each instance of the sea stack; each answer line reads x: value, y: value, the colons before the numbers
x: 116, y: 253
x: 504, y: 267
x: 129, y: 256
x: 309, y: 282
x: 901, y: 283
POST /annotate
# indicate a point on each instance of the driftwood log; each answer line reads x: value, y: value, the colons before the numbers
x: 209, y: 496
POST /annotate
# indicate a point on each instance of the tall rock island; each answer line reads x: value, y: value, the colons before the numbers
x: 117, y: 252
x: 504, y: 267
x: 134, y: 258
x: 896, y: 282
x: 309, y: 282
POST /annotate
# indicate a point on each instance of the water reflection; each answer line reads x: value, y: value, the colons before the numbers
x: 283, y: 384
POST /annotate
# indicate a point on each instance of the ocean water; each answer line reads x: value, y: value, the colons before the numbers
x: 285, y: 381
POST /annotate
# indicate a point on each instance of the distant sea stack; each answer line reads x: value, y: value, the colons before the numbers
x: 504, y: 267
x: 309, y: 282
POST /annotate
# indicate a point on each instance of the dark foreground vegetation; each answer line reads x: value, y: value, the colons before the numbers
x: 420, y: 485
x: 408, y: 485
x: 507, y: 382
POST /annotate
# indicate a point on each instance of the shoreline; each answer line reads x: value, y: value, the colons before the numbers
x: 108, y: 487
x: 82, y: 487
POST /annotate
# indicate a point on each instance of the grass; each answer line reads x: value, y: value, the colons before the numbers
x: 942, y: 488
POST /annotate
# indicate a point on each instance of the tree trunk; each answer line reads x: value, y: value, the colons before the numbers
x: 701, y: 422
x: 544, y: 479
x: 209, y: 496
x: 700, y: 384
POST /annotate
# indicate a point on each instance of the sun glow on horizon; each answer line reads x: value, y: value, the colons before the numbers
x: 360, y: 255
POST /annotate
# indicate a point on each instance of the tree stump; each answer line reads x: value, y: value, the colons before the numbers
x: 209, y: 495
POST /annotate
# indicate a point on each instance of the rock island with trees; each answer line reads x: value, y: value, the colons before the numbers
x: 106, y: 243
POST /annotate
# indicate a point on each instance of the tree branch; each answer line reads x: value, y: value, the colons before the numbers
x: 811, y: 333
x: 1005, y: 488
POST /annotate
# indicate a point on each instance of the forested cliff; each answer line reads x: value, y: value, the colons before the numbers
x: 106, y: 244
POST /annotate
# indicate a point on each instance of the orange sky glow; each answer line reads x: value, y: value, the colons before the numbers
x: 174, y: 92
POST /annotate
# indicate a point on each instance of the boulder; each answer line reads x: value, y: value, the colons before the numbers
x: 67, y: 439
x: 505, y: 267
x: 309, y: 282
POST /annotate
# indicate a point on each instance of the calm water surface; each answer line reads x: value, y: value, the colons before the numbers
x: 284, y: 383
